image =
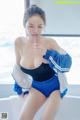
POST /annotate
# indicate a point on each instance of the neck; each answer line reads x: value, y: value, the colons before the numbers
x: 35, y: 39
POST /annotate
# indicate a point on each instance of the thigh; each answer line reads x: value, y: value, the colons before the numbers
x: 32, y: 103
x: 52, y: 106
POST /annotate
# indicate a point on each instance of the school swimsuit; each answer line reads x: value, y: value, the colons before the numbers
x: 45, y: 79
x: 46, y: 76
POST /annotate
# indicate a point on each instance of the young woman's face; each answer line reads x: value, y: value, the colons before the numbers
x: 34, y: 26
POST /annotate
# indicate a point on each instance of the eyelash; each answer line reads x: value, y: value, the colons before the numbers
x: 31, y: 26
x: 38, y: 26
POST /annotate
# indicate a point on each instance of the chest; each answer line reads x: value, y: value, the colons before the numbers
x: 33, y: 52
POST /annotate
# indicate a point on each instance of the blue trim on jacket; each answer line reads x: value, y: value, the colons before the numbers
x: 57, y: 61
x: 19, y: 89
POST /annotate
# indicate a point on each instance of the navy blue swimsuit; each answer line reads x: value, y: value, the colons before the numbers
x: 41, y: 73
x: 44, y: 79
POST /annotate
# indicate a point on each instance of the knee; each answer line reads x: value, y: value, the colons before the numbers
x: 26, y: 116
x: 47, y: 118
x: 22, y: 117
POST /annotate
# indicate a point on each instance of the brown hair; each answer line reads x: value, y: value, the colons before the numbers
x: 33, y: 10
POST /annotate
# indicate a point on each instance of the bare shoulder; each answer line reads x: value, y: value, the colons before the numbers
x: 52, y: 43
x: 55, y: 46
x: 19, y: 41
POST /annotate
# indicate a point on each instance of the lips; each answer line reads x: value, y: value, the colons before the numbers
x: 34, y: 34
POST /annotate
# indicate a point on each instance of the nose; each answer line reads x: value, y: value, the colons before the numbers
x: 35, y: 30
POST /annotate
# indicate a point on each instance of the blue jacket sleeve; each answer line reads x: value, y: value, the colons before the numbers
x: 20, y: 90
x: 58, y: 61
x: 17, y: 89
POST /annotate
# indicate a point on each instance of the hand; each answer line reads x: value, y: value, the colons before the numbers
x: 22, y: 96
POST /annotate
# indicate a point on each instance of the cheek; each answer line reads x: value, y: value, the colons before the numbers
x: 41, y: 30
x: 29, y: 30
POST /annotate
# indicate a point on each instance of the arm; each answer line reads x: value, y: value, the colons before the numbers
x: 17, y: 51
x: 19, y: 91
x: 60, y: 61
x: 55, y: 46
x: 22, y: 81
x: 58, y: 58
x: 17, y: 88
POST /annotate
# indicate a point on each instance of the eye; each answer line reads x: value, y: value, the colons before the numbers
x: 39, y: 26
x: 30, y: 26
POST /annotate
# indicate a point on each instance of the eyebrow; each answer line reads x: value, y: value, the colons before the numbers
x: 32, y: 24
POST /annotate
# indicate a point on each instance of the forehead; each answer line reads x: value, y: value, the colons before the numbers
x: 36, y: 19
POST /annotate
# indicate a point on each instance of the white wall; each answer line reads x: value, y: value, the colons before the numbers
x: 61, y: 19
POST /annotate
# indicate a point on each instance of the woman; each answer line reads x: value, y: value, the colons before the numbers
x: 32, y: 55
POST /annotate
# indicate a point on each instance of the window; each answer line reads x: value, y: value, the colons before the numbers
x: 61, y: 18
x: 11, y: 26
x: 72, y: 46
x: 11, y: 15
